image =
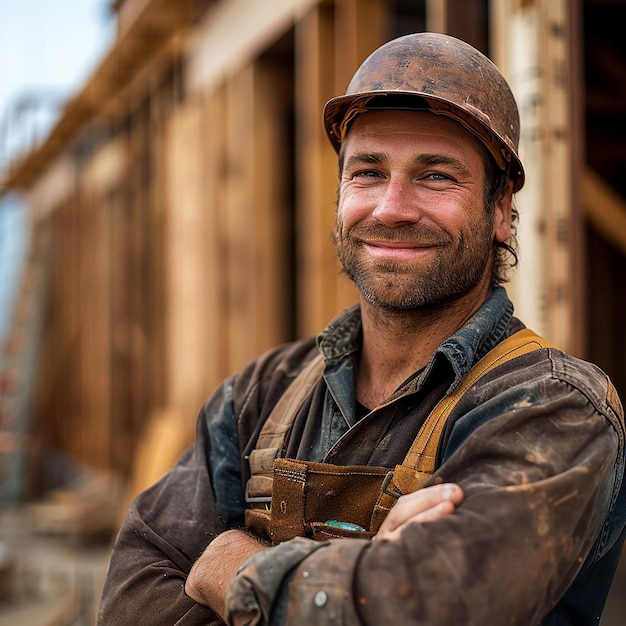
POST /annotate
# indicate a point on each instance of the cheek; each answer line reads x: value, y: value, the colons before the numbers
x: 351, y: 208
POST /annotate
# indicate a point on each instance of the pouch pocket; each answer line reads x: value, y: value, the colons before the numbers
x: 323, y: 532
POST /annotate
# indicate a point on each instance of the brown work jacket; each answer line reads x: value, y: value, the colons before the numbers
x: 537, y: 446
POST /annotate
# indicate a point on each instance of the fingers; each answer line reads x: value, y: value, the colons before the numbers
x: 434, y: 513
x: 425, y: 505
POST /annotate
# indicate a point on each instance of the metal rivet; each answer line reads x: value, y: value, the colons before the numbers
x: 321, y: 597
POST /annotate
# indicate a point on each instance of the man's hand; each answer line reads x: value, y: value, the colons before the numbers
x: 425, y: 505
x: 210, y: 575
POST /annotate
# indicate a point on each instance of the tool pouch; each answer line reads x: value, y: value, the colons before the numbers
x: 305, y: 495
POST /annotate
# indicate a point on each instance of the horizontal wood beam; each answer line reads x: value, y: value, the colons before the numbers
x: 605, y: 209
x: 160, y: 21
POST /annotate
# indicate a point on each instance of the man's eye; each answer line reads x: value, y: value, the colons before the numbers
x: 366, y: 174
x: 436, y: 176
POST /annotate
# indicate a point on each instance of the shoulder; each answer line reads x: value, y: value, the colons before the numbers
x: 259, y: 385
x: 545, y: 382
x: 589, y: 380
x: 552, y: 373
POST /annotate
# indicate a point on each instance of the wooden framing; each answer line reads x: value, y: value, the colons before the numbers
x: 225, y: 231
x: 252, y: 217
x: 269, y: 206
x: 185, y: 259
x: 337, y: 37
x: 317, y: 165
x: 459, y: 18
x: 188, y: 249
x: 605, y: 209
x: 532, y: 46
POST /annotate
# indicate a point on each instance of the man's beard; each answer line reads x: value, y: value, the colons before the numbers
x: 455, y: 266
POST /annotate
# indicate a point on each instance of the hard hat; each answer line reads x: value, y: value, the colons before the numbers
x: 438, y: 73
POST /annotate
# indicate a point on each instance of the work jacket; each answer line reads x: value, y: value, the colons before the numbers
x: 537, y: 445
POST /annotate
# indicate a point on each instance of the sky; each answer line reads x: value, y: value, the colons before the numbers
x: 48, y: 49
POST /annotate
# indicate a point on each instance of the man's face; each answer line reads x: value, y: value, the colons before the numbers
x: 412, y: 230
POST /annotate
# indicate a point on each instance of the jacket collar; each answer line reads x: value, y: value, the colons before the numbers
x: 342, y: 338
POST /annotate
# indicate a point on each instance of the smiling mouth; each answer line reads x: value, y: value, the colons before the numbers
x: 398, y: 250
x: 400, y: 244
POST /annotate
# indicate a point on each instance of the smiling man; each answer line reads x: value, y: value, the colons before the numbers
x: 411, y: 215
x: 425, y: 459
x: 415, y: 236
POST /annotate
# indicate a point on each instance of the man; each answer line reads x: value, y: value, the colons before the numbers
x: 521, y: 514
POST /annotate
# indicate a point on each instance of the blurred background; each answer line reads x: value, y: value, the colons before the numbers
x: 166, y: 198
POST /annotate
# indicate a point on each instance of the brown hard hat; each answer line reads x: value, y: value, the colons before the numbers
x: 438, y: 73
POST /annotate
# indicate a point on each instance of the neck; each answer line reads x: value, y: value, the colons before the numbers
x: 396, y: 344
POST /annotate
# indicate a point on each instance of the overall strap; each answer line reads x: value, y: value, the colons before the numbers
x: 424, y: 449
x: 274, y: 432
x: 419, y: 463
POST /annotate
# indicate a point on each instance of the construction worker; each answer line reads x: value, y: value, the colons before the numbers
x: 425, y: 459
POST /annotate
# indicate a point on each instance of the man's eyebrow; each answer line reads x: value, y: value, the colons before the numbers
x: 376, y: 158
x: 365, y: 158
x: 440, y: 159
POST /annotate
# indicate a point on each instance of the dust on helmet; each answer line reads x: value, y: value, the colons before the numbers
x: 441, y: 74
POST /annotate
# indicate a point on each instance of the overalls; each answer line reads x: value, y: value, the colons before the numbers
x: 293, y: 498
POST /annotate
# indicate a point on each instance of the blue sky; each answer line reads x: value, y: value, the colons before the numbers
x: 48, y: 48
x: 51, y: 43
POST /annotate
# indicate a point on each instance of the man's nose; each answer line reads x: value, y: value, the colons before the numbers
x: 396, y: 204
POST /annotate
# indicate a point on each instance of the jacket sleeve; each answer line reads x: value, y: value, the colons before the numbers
x: 540, y: 478
x: 169, y: 525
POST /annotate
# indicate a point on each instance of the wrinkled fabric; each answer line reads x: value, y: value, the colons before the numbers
x: 254, y: 586
x: 537, y: 446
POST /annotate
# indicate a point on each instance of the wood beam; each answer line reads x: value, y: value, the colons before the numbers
x: 316, y: 171
x: 605, y: 209
x: 160, y: 21
x: 533, y: 46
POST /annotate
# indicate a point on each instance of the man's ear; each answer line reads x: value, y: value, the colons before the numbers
x: 503, y: 215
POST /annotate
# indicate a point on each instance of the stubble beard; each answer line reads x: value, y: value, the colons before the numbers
x: 456, y: 268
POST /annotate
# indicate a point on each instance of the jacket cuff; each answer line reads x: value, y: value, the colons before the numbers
x: 321, y: 591
x: 258, y: 582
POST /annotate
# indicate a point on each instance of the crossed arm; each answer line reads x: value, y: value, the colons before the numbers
x: 541, y: 511
x: 211, y: 574
x: 537, y: 484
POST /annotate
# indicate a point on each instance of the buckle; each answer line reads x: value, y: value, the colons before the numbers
x: 256, y: 499
x: 385, y: 486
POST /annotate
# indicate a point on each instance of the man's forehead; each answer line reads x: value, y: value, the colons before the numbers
x: 381, y: 127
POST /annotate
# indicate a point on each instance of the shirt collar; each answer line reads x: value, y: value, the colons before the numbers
x: 342, y: 337
x: 484, y: 330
